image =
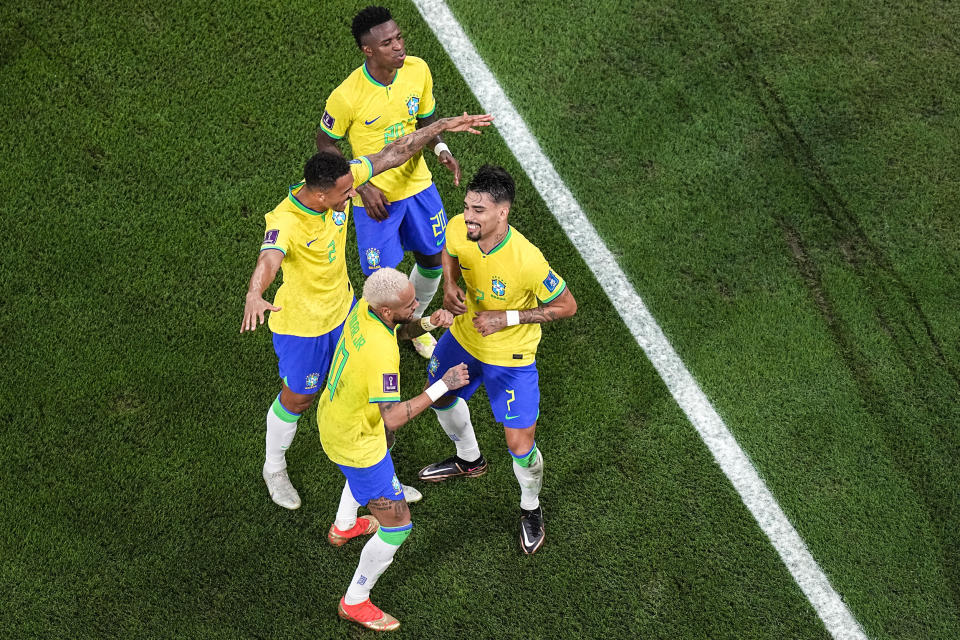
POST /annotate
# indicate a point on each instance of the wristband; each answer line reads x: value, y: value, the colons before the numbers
x: 426, y: 325
x: 436, y: 390
x: 513, y: 317
x: 440, y: 148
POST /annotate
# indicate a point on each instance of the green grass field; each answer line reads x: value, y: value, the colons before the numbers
x: 777, y: 179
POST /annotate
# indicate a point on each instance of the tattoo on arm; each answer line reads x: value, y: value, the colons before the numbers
x: 410, y: 330
x: 538, y: 315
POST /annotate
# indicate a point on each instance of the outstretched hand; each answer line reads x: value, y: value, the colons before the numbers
x: 441, y: 318
x: 456, y: 376
x: 467, y: 122
x: 253, y: 312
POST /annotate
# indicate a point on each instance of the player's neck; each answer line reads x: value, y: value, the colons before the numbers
x: 389, y: 323
x: 383, y: 75
x: 490, y: 243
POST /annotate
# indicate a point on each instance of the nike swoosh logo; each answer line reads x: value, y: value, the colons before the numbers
x: 527, y: 542
x: 511, y: 417
x: 312, y: 241
x: 465, y: 268
x: 370, y: 122
x: 440, y: 242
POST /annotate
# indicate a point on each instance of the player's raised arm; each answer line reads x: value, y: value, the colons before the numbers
x: 268, y: 263
x: 402, y: 149
x: 563, y: 306
x: 454, y: 298
x: 397, y: 414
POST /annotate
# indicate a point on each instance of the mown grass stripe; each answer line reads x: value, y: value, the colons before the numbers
x: 734, y: 463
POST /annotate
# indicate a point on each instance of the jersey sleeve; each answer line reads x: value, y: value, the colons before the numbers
x: 383, y: 379
x: 428, y: 105
x: 545, y: 283
x: 278, y: 233
x: 337, y: 116
x: 362, y: 170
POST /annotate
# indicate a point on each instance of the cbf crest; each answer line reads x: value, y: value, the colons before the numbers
x: 397, y: 487
x: 339, y: 217
x: 498, y: 286
x: 433, y: 366
x: 413, y: 105
x: 373, y: 257
x: 312, y: 380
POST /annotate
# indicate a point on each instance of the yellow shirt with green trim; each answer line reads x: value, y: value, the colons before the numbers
x: 365, y: 370
x: 372, y: 115
x: 514, y: 275
x: 316, y: 294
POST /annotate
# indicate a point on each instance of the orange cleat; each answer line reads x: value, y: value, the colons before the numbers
x: 368, y: 615
x: 365, y: 526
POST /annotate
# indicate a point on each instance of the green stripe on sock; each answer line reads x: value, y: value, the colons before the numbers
x: 430, y: 273
x: 528, y: 459
x: 394, y: 536
x: 282, y: 413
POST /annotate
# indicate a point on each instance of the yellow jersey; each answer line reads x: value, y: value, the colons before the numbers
x: 372, y: 115
x: 365, y: 370
x: 514, y: 275
x: 316, y: 294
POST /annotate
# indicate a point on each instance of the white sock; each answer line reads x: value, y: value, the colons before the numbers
x: 280, y: 432
x: 374, y: 560
x: 530, y: 479
x: 425, y: 289
x: 455, y: 421
x: 347, y: 511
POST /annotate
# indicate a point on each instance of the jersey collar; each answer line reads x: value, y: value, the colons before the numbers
x: 302, y: 206
x: 371, y: 79
x: 393, y: 331
x: 503, y: 243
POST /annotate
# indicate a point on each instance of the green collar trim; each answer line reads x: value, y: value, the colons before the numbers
x: 502, y: 243
x: 302, y: 206
x: 393, y: 332
x: 371, y: 78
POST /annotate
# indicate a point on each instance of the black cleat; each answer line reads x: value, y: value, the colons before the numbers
x: 531, y: 530
x: 453, y: 467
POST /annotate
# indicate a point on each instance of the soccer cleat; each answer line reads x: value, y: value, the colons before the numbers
x: 424, y: 345
x: 365, y: 525
x: 281, y: 489
x: 531, y: 530
x: 368, y: 615
x: 411, y: 494
x: 453, y: 467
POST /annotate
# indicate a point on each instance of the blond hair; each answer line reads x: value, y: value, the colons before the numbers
x: 384, y: 286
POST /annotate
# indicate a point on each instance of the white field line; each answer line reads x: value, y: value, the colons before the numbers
x: 838, y: 620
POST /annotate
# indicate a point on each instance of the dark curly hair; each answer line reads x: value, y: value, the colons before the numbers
x: 368, y: 19
x: 494, y: 181
x: 324, y: 168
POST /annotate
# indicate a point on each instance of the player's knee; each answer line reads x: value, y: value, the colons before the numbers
x: 520, y: 441
x: 295, y: 402
x: 444, y: 402
x: 428, y: 262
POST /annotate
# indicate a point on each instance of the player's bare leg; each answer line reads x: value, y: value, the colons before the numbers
x: 425, y: 277
x: 377, y: 555
x: 282, y: 420
x: 412, y: 494
x: 454, y: 416
x: 528, y: 468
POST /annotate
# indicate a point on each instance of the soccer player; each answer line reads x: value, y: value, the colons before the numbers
x: 390, y: 94
x: 305, y: 233
x: 362, y: 395
x: 510, y: 292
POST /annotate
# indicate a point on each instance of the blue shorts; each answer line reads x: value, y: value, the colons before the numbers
x: 370, y: 483
x: 417, y: 223
x: 304, y: 362
x: 514, y: 392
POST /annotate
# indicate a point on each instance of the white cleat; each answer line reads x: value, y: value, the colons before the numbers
x: 424, y: 346
x: 411, y: 494
x: 281, y: 489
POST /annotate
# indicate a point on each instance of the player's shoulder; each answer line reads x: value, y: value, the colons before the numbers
x: 350, y: 85
x: 416, y: 64
x: 527, y: 253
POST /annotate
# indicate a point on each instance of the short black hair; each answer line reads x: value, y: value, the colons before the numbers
x: 494, y: 181
x: 368, y: 19
x: 324, y: 168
